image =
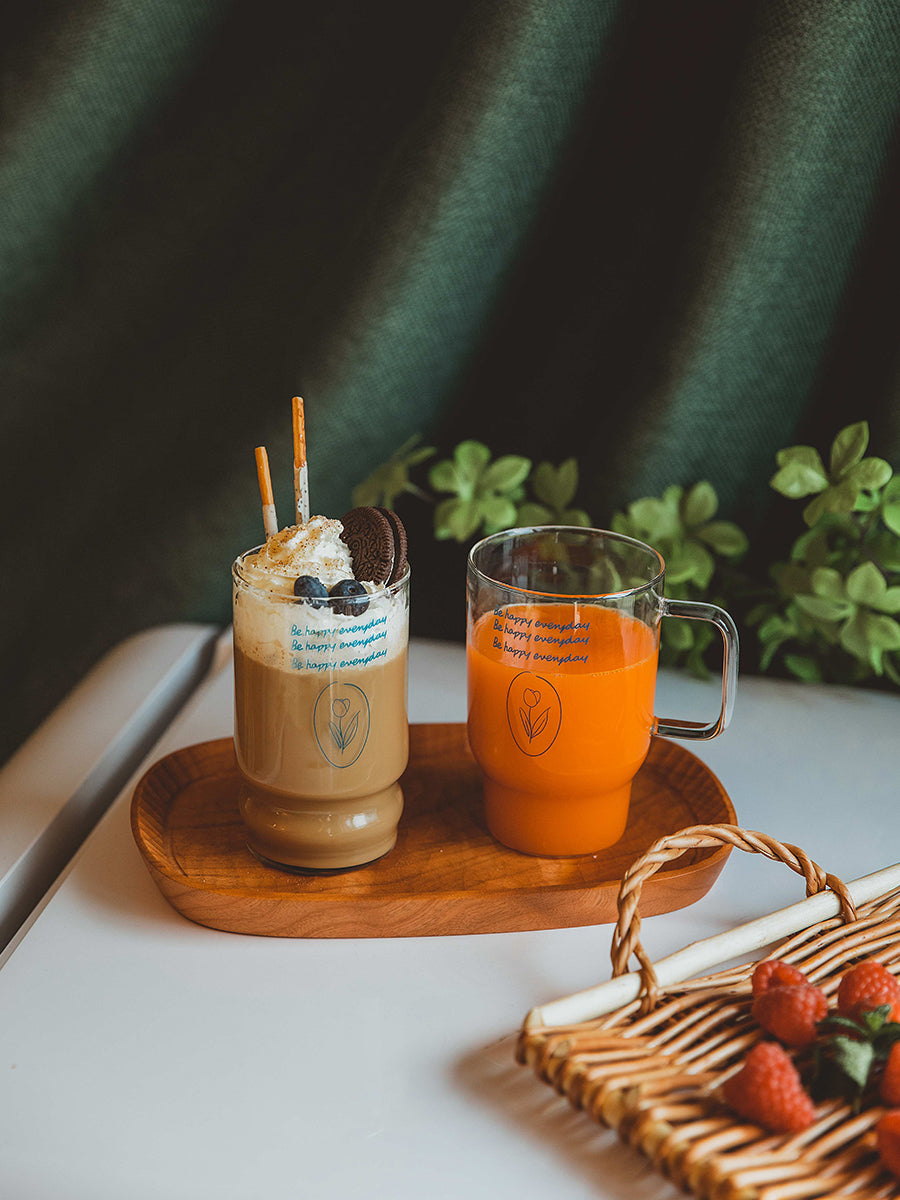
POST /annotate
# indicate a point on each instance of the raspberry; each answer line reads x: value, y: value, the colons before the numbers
x: 767, y: 1090
x: 775, y: 973
x: 887, y: 1132
x: 866, y: 986
x: 889, y: 1086
x: 791, y: 1013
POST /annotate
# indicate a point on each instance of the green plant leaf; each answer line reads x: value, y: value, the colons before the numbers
x: 823, y: 610
x: 811, y: 548
x: 866, y: 501
x: 496, y: 512
x: 556, y: 486
x: 703, y: 635
x: 678, y: 635
x: 866, y: 585
x: 890, y: 514
x: 874, y: 1021
x: 853, y: 1058
x: 792, y: 578
x: 871, y: 474
x: 444, y: 476
x: 854, y: 637
x: 801, y: 473
x: 699, y: 504
x: 839, y: 499
x: 882, y: 631
x: 620, y: 523
x: 776, y: 626
x: 828, y: 583
x: 890, y: 504
x: 471, y: 458
x: 505, y: 474
x: 724, y: 537
x: 690, y: 561
x: 575, y: 516
x: 890, y: 602
x: 768, y: 655
x: 884, y: 547
x: 773, y: 633
x: 412, y: 458
x: 655, y: 519
x: 848, y: 447
x: 390, y: 479
x: 457, y: 519
x: 530, y: 513
x: 803, y: 667
x: 382, y: 487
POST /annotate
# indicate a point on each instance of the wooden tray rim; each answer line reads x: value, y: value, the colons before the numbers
x: 190, y: 761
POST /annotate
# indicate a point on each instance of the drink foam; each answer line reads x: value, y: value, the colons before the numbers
x: 314, y: 549
x: 289, y: 634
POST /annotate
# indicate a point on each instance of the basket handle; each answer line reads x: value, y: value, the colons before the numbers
x: 626, y: 940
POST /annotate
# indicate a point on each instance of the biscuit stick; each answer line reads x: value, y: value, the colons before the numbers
x: 270, y: 521
x: 301, y: 476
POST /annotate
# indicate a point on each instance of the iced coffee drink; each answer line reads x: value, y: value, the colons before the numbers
x: 320, y: 659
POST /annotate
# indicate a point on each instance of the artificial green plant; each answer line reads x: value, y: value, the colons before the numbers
x: 828, y: 613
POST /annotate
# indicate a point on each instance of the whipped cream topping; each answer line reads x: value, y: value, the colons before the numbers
x: 271, y: 625
x: 312, y: 549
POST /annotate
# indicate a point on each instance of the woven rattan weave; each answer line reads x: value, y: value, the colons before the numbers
x: 652, y: 1068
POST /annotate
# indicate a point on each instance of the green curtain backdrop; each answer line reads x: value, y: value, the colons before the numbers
x: 660, y: 235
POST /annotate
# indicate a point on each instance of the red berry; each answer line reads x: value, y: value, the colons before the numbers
x: 887, y: 1132
x: 866, y: 986
x: 767, y: 1090
x: 775, y: 973
x: 791, y: 1013
x: 889, y: 1086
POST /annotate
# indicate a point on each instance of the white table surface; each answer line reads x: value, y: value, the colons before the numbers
x: 148, y: 1057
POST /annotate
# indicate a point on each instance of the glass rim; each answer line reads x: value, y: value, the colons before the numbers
x: 504, y: 534
x: 388, y: 590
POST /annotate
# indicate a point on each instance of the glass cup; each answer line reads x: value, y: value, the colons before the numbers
x: 320, y: 733
x: 562, y: 647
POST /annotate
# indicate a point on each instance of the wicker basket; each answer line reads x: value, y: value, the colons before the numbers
x: 651, y: 1067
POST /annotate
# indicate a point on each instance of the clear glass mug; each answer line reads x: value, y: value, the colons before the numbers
x: 320, y: 734
x: 562, y: 642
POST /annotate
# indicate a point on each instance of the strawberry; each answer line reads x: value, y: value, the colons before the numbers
x: 887, y: 1133
x: 775, y: 973
x: 889, y: 1085
x: 767, y: 1090
x: 791, y: 1012
x: 866, y: 986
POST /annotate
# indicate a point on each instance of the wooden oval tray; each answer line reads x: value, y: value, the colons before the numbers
x: 446, y: 875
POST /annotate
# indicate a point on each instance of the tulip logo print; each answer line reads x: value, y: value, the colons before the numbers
x: 343, y: 737
x: 534, y: 713
x: 341, y: 723
x: 533, y: 723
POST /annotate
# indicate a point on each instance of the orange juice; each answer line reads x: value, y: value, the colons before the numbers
x: 560, y: 713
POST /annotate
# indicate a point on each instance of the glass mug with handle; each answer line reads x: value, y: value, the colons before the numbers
x: 562, y: 643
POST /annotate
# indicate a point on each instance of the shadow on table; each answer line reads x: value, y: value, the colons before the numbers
x: 491, y: 1076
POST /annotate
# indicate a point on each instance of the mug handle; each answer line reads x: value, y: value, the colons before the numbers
x: 693, y: 610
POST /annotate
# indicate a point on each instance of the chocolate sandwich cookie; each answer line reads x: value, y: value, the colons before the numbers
x: 400, y: 544
x: 377, y: 542
x: 370, y: 539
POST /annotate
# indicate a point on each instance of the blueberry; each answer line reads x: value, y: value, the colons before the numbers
x: 349, y: 607
x: 310, y: 589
